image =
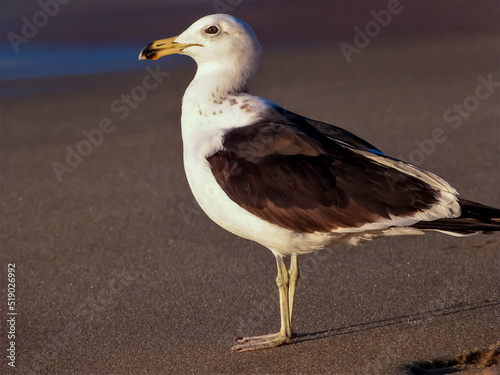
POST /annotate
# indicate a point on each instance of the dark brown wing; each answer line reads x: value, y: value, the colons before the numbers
x: 300, y: 179
x: 283, y: 116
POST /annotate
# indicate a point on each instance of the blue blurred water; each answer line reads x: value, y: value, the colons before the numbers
x: 46, y: 61
x: 42, y: 61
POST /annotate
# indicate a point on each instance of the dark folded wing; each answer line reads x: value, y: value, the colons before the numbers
x: 302, y: 179
x: 283, y: 116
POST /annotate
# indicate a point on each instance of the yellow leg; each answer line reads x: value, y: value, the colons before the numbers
x: 284, y: 336
x: 282, y: 282
x: 294, y: 275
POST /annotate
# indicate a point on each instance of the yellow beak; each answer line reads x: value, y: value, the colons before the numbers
x: 162, y: 47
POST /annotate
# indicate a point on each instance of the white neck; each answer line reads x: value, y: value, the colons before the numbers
x: 213, y: 99
x: 212, y: 83
x: 214, y: 79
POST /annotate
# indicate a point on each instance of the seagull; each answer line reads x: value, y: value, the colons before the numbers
x: 293, y: 184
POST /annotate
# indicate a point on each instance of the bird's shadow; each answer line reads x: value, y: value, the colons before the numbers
x: 411, y: 318
x: 431, y: 367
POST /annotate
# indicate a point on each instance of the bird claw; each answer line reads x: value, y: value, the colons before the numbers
x: 271, y: 340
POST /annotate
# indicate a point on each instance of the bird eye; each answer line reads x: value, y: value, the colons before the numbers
x: 212, y: 30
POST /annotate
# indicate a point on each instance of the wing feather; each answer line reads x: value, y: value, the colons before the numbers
x: 302, y: 179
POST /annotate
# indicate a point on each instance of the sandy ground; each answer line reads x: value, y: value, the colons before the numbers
x: 119, y: 272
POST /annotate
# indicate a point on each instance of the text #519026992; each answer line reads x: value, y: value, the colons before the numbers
x: 11, y: 314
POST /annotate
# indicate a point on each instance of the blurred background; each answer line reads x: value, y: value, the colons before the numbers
x: 71, y: 37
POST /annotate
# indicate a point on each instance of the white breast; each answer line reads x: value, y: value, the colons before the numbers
x: 202, y: 132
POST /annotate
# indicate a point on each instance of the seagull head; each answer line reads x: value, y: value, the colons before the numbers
x: 221, y: 45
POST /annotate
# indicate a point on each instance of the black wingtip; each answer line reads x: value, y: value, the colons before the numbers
x: 475, y: 218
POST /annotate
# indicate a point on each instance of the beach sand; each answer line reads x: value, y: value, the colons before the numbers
x: 119, y: 272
